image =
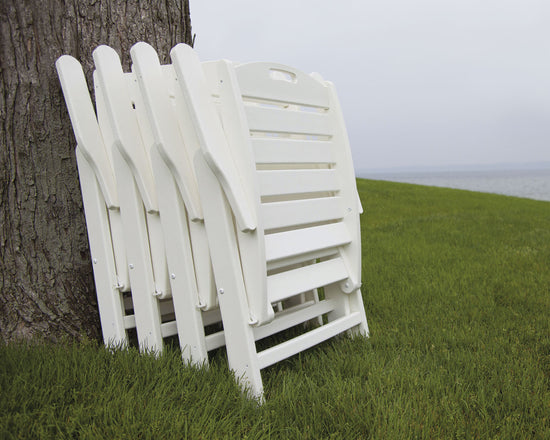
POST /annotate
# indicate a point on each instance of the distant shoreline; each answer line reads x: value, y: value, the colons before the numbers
x: 527, y: 166
x: 532, y: 183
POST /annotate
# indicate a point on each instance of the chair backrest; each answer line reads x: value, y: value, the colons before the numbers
x: 132, y: 137
x: 286, y: 142
x: 91, y: 145
x: 101, y: 203
x: 177, y: 145
x: 308, y: 197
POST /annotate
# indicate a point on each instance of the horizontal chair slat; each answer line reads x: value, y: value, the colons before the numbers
x: 169, y: 329
x: 281, y: 83
x: 215, y: 340
x: 301, y: 259
x: 300, y: 343
x: 129, y: 322
x: 305, y: 241
x: 281, y: 182
x: 281, y: 150
x: 303, y: 279
x: 300, y: 212
x: 294, y: 316
x: 279, y: 120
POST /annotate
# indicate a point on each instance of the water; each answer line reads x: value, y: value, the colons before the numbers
x: 529, y: 183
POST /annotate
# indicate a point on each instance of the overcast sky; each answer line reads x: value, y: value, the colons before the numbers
x: 421, y: 82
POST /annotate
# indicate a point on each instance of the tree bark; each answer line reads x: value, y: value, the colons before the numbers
x: 46, y: 281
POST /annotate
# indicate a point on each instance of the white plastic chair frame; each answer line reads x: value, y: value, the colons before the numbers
x: 104, y: 220
x: 173, y: 153
x: 185, y: 243
x: 101, y: 206
x: 280, y: 204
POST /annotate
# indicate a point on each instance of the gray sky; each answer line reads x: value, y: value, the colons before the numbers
x: 421, y: 82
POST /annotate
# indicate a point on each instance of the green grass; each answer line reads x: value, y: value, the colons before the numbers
x: 457, y: 294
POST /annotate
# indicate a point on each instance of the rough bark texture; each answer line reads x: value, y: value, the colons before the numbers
x: 46, y: 282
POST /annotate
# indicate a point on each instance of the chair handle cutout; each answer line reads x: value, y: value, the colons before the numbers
x: 282, y: 75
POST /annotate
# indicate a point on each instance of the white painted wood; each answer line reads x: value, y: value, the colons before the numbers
x: 283, y: 182
x: 129, y: 142
x: 169, y: 329
x: 115, y: 217
x: 185, y: 241
x: 158, y: 255
x: 301, y: 212
x: 136, y: 108
x: 294, y: 316
x: 166, y: 133
x: 109, y: 298
x: 260, y: 81
x: 146, y: 305
x: 352, y: 253
x: 157, y: 84
x: 251, y: 246
x: 289, y: 262
x: 211, y: 135
x: 252, y: 106
x: 91, y: 142
x: 117, y: 240
x: 129, y: 322
x: 173, y: 132
x: 283, y: 285
x: 281, y: 120
x: 207, y: 297
x: 180, y: 262
x: 239, y: 337
x: 100, y: 200
x: 215, y: 340
x: 139, y: 206
x: 85, y: 127
x: 303, y: 342
x: 295, y: 151
x: 305, y: 241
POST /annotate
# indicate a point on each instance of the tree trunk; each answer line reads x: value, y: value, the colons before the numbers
x: 46, y: 281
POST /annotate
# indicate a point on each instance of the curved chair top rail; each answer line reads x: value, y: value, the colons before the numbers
x: 151, y: 77
x: 211, y: 135
x: 85, y: 126
x: 127, y: 138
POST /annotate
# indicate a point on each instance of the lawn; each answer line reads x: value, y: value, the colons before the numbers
x: 457, y: 294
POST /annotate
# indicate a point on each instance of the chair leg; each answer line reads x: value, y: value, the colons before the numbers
x: 109, y: 298
x: 146, y: 306
x: 240, y: 344
x: 180, y: 264
x: 239, y: 335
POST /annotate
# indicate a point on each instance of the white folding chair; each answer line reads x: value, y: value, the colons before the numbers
x: 101, y: 206
x: 180, y: 245
x: 280, y: 204
x: 113, y: 232
x: 175, y: 147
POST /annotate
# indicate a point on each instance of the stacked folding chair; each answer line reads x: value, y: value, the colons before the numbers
x: 101, y: 205
x: 243, y: 169
x: 113, y: 144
